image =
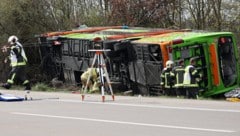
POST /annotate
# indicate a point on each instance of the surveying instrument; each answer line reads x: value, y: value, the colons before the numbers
x: 103, y: 74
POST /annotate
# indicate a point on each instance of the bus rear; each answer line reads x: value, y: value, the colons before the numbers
x: 216, y: 55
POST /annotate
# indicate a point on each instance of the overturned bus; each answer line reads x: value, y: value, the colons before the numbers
x: 138, y: 56
x: 66, y: 56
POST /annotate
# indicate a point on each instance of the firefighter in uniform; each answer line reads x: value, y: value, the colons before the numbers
x: 166, y: 78
x: 178, y: 72
x: 191, y: 80
x: 18, y: 62
x: 93, y: 84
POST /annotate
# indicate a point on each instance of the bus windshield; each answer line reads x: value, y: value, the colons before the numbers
x: 227, y: 61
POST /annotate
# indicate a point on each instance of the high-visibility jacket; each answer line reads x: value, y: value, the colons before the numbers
x: 167, y: 78
x: 92, y: 72
x: 179, y: 76
x: 191, y: 76
x: 17, y: 55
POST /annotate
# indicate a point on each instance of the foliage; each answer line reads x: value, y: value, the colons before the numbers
x: 25, y: 18
x: 41, y: 87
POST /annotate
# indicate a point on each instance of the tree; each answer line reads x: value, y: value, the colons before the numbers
x: 141, y: 12
x: 199, y: 12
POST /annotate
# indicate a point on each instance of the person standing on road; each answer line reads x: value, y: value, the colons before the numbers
x: 178, y: 72
x: 18, y: 62
x: 167, y: 78
x: 191, y: 79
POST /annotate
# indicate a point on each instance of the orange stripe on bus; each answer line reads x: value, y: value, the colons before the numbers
x: 165, y: 53
x: 214, y: 64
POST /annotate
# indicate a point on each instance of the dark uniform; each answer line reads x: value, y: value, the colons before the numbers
x: 18, y: 63
x: 191, y: 80
x: 167, y: 79
x: 178, y: 72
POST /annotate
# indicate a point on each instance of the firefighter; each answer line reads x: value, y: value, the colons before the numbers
x: 18, y: 62
x: 191, y: 79
x: 93, y: 84
x: 167, y: 78
x: 178, y: 72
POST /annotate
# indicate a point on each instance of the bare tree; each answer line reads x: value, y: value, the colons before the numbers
x: 141, y: 12
x: 199, y: 11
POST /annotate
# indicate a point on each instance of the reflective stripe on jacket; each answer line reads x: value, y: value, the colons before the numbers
x: 17, y: 55
x: 166, y: 78
x: 179, y: 76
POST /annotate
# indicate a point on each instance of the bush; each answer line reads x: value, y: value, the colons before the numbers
x: 41, y: 87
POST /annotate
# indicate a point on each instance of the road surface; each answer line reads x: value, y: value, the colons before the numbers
x: 65, y: 114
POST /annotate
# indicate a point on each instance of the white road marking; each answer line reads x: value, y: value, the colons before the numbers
x: 123, y: 122
x: 152, y: 106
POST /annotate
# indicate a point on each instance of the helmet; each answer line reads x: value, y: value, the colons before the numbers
x: 181, y: 62
x: 192, y: 61
x: 12, y: 39
x: 169, y: 64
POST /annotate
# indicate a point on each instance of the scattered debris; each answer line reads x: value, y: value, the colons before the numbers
x: 128, y: 92
x: 56, y: 83
x: 233, y: 96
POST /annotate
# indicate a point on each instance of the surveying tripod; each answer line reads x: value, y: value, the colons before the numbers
x: 101, y: 66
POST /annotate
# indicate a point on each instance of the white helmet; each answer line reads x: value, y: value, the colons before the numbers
x: 169, y: 64
x: 12, y: 39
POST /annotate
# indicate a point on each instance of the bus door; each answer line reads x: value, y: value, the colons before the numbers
x: 227, y: 61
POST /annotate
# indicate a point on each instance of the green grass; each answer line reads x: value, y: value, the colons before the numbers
x: 48, y: 88
x: 41, y: 87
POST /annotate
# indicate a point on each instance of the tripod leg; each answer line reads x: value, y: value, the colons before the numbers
x: 107, y: 77
x: 88, y: 79
x: 101, y: 77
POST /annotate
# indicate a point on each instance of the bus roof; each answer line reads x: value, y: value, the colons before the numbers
x: 116, y: 34
x: 167, y: 37
x: 83, y: 30
x: 88, y: 36
x: 123, y: 31
x: 106, y: 33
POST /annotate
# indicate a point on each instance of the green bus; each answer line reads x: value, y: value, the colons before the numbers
x: 216, y: 54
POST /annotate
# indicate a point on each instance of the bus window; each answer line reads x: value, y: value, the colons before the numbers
x: 181, y: 53
x: 155, y: 53
x: 185, y: 53
x: 227, y: 61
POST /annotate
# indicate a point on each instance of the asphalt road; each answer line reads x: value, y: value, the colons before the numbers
x: 65, y: 114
